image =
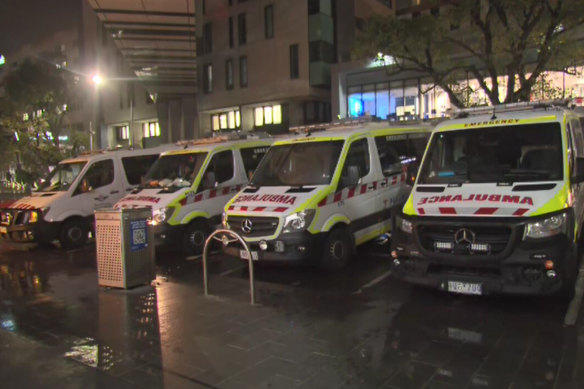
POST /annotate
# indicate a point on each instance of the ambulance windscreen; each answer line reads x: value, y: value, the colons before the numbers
x: 504, y: 154
x: 174, y: 170
x: 298, y: 164
x: 60, y: 179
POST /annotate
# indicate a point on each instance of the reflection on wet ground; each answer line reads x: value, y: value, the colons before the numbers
x: 353, y: 329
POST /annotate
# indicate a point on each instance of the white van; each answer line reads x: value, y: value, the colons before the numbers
x: 62, y: 206
x: 498, y: 205
x: 188, y: 188
x: 321, y: 193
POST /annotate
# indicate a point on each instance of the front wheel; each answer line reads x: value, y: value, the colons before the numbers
x: 337, y: 249
x: 194, y: 238
x: 73, y: 233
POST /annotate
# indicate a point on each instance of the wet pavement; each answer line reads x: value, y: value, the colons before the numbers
x: 357, y: 328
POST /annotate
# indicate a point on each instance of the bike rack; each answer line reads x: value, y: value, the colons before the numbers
x: 225, y: 240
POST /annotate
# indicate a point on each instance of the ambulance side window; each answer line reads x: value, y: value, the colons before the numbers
x: 251, y: 157
x: 578, y: 138
x: 390, y: 154
x: 417, y: 146
x: 220, y: 169
x: 99, y: 174
x: 356, y: 164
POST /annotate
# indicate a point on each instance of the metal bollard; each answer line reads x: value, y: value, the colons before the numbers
x: 226, y: 241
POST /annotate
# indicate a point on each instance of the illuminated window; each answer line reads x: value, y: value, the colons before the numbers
x: 268, y: 115
x: 271, y: 114
x: 25, y: 117
x: 259, y: 116
x: 277, y: 114
x: 226, y: 120
x: 151, y: 129
x: 123, y: 132
x: 231, y: 119
x: 216, y: 126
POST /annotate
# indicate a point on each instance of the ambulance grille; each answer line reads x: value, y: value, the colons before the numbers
x: 260, y: 226
x: 496, y: 237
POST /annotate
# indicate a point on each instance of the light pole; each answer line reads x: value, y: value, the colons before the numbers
x: 97, y: 81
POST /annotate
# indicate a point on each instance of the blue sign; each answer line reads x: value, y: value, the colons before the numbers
x: 138, y: 235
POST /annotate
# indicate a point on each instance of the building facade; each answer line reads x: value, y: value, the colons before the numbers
x: 265, y: 65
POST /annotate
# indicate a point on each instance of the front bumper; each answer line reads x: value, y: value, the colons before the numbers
x: 519, y: 268
x: 295, y: 247
x: 39, y: 232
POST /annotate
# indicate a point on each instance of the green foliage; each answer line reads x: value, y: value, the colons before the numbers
x: 483, y: 40
x: 32, y: 114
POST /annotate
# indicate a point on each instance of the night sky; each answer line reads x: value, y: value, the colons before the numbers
x: 28, y: 21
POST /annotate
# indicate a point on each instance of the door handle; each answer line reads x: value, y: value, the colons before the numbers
x: 114, y: 191
x: 101, y: 198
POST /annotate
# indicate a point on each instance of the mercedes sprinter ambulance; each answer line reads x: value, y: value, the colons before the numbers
x: 188, y: 188
x: 318, y: 194
x: 62, y: 206
x: 498, y: 204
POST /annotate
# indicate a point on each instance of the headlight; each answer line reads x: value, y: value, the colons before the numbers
x: 160, y: 215
x: 551, y: 226
x: 298, y: 221
x: 404, y: 225
x: 34, y: 216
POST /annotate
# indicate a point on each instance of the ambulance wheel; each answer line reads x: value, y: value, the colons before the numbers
x: 73, y: 233
x: 194, y: 238
x: 337, y: 249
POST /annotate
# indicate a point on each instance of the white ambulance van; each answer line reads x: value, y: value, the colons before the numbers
x: 188, y: 188
x: 62, y: 206
x: 498, y: 204
x: 317, y: 195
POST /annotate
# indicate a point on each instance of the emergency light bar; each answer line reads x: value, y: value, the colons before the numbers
x: 509, y: 107
x: 334, y: 124
x: 223, y: 138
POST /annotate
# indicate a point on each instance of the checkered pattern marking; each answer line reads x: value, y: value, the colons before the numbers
x: 348, y: 193
x: 192, y: 197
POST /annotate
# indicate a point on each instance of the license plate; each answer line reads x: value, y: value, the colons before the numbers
x: 3, y: 230
x: 243, y: 255
x: 465, y: 287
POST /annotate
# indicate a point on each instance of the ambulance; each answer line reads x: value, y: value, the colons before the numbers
x: 61, y: 208
x: 318, y: 194
x: 188, y: 188
x: 498, y: 204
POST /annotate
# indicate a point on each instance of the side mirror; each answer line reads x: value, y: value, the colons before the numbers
x: 579, y: 176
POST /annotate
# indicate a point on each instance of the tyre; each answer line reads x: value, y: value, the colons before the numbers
x: 338, y: 249
x: 73, y: 233
x: 194, y: 238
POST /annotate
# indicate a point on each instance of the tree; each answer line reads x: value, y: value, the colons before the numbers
x: 517, y: 40
x: 37, y: 98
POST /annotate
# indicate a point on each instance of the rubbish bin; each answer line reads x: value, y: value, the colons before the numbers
x: 125, y: 255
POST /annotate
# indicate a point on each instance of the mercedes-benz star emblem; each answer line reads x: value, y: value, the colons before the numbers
x: 464, y: 235
x: 246, y: 226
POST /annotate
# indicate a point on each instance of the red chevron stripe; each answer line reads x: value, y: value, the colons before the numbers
x: 447, y: 211
x: 485, y: 211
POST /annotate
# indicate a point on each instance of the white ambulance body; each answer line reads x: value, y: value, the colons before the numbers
x: 320, y: 194
x: 498, y: 204
x: 63, y: 205
x: 188, y: 188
